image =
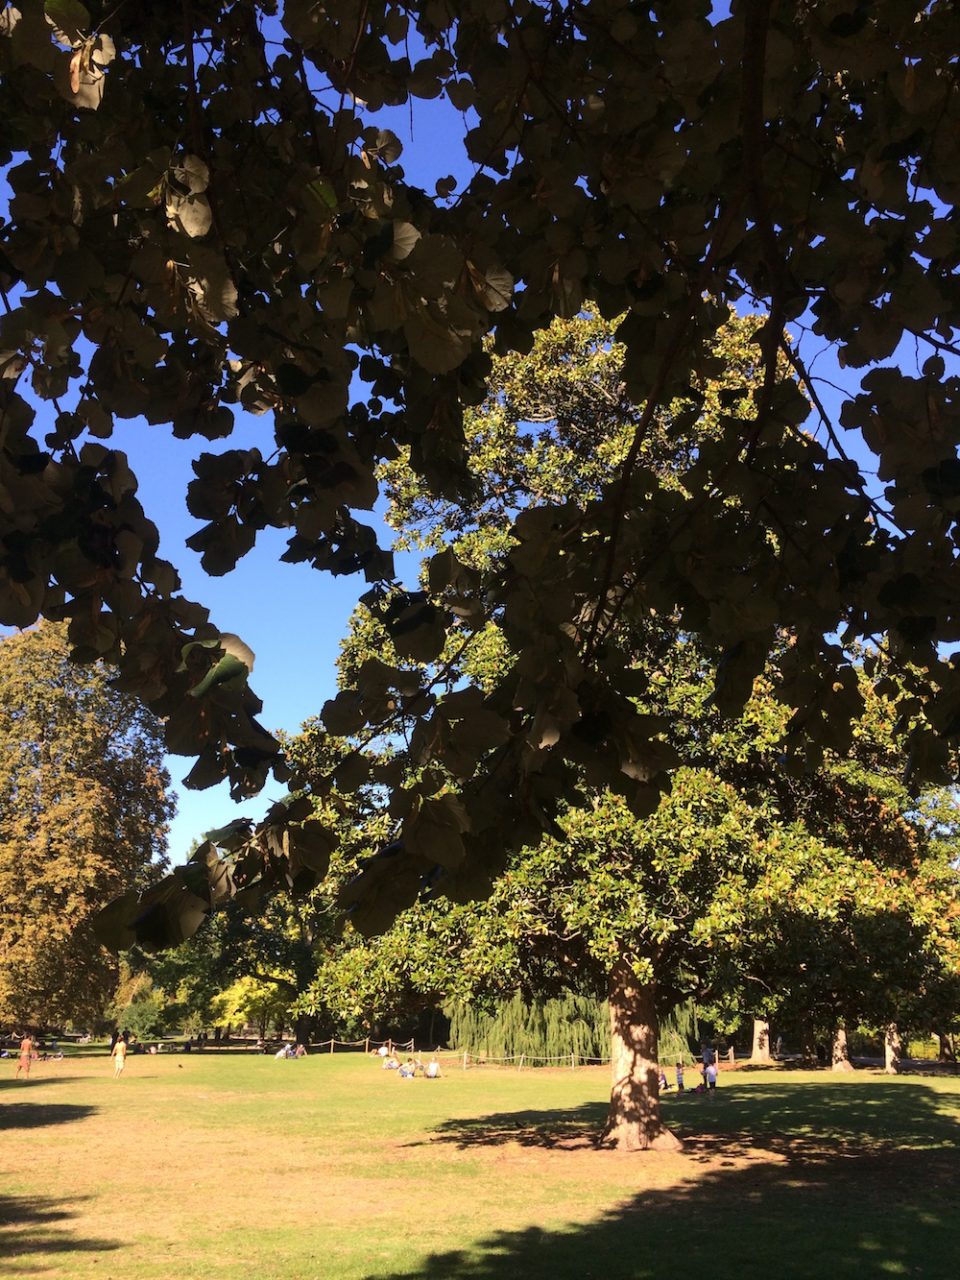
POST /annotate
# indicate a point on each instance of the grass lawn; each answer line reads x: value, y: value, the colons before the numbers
x: 228, y: 1166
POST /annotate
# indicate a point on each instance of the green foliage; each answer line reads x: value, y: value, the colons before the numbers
x: 815, y: 887
x: 253, y: 1000
x: 222, y: 221
x: 138, y: 1006
x: 544, y: 1032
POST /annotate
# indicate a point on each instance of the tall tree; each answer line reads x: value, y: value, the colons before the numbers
x: 771, y: 817
x: 251, y: 241
x: 83, y: 816
x: 819, y: 898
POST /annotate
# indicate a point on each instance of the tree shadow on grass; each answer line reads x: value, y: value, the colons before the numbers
x: 852, y: 1220
x: 874, y: 1113
x: 850, y: 1181
x: 575, y: 1127
x: 23, y: 1115
x: 35, y: 1082
x: 777, y: 1115
x: 39, y: 1225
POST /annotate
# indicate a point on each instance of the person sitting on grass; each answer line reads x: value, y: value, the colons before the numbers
x: 408, y: 1070
x: 664, y: 1082
x: 300, y: 1051
x: 432, y: 1069
x: 391, y: 1063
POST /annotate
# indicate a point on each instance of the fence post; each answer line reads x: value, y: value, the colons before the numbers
x: 573, y: 1062
x: 332, y: 1042
x: 366, y: 1045
x: 464, y: 1059
x: 520, y: 1067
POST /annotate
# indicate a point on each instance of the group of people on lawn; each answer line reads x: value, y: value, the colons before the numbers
x: 708, y: 1074
x: 407, y: 1070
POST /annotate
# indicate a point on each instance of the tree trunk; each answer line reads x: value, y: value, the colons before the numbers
x: 891, y: 1050
x: 760, y: 1053
x: 840, y: 1054
x: 947, y: 1052
x: 633, y: 1122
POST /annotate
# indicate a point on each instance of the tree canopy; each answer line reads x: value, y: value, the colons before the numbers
x: 754, y: 886
x: 83, y: 817
x: 206, y: 218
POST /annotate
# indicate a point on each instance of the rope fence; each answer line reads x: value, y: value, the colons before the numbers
x: 361, y: 1046
x: 464, y: 1058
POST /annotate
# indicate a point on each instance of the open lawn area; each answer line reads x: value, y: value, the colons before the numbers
x: 228, y: 1166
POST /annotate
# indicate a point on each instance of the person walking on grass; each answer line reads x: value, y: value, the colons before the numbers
x: 26, y: 1056
x: 119, y: 1056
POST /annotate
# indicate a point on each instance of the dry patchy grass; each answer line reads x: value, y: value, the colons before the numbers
x: 224, y: 1165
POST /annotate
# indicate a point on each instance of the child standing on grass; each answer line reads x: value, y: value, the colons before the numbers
x: 119, y: 1056
x: 679, y: 1077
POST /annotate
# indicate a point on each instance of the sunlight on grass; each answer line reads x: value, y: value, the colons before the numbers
x: 231, y: 1165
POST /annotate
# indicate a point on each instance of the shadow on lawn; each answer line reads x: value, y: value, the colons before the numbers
x: 11, y: 1084
x: 857, y: 1181
x: 24, y: 1115
x: 849, y: 1221
x: 38, y: 1225
x: 578, y: 1126
x: 812, y: 1115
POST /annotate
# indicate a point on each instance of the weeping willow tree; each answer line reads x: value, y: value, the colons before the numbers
x: 680, y: 1033
x: 549, y: 1030
x: 541, y: 1030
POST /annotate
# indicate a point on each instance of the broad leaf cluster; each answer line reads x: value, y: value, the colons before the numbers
x: 206, y: 219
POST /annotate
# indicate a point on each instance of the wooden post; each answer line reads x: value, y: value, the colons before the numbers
x: 464, y: 1059
x: 573, y: 1062
x: 332, y: 1042
x: 366, y: 1045
x: 520, y: 1067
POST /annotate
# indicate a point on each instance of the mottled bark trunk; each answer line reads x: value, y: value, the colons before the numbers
x: 760, y: 1053
x: 633, y: 1122
x: 840, y: 1054
x: 947, y: 1052
x: 891, y: 1049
